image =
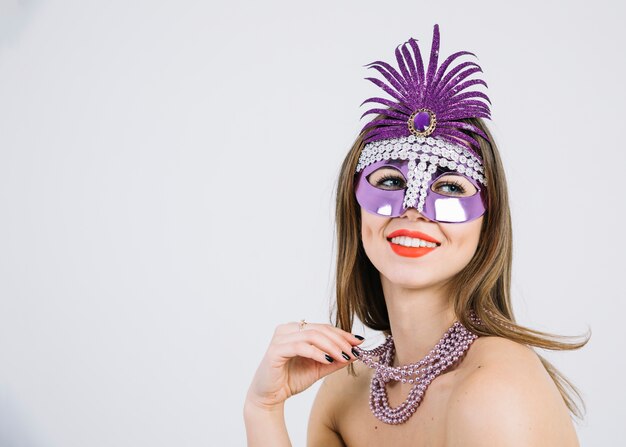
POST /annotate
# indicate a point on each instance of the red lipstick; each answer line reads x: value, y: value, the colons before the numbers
x: 411, y: 252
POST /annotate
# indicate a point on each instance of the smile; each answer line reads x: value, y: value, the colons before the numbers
x: 411, y: 244
x: 410, y: 252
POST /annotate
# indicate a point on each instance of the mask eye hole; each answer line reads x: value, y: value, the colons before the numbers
x: 453, y: 186
x: 387, y: 178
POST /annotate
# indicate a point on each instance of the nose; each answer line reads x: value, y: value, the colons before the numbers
x: 412, y: 214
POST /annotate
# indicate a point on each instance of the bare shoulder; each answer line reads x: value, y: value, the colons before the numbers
x: 507, y: 394
x: 493, y: 351
x: 339, y: 388
x: 335, y: 391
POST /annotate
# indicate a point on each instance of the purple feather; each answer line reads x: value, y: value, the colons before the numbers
x: 448, y: 78
x: 385, y: 122
x: 434, y: 56
x: 402, y: 65
x: 385, y: 134
x: 390, y: 104
x: 414, y: 78
x: 461, y: 96
x: 458, y: 86
x: 468, y: 127
x: 418, y: 60
x: 389, y: 90
x: 387, y: 112
x: 458, y: 137
x: 445, y: 94
x: 393, y: 77
x: 460, y: 114
x: 443, y: 67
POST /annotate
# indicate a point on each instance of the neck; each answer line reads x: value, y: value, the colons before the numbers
x: 418, y: 318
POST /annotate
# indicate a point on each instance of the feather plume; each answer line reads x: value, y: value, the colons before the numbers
x: 445, y: 94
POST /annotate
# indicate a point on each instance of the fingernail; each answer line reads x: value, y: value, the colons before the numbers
x: 355, y: 352
x: 359, y: 337
x: 329, y: 358
x: 345, y: 356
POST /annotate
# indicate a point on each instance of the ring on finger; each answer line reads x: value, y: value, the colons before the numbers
x: 301, y: 324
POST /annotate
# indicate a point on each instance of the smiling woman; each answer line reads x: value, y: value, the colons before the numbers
x: 424, y: 256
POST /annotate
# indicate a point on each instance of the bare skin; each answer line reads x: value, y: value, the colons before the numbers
x: 499, y: 395
x: 294, y: 361
x: 457, y: 409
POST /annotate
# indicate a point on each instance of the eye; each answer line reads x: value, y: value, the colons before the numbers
x: 387, y: 178
x: 454, y: 185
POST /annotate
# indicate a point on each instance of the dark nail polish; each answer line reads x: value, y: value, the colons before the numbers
x: 359, y: 337
x: 345, y: 356
x: 355, y: 352
x: 329, y: 358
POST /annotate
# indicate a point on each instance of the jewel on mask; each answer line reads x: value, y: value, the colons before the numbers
x: 422, y: 122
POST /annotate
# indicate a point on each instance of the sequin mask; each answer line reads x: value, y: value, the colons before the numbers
x: 443, y: 189
x: 422, y: 134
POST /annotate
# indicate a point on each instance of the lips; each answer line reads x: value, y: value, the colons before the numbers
x: 411, y: 252
x: 415, y: 234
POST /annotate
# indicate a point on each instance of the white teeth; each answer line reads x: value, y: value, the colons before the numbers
x: 412, y: 242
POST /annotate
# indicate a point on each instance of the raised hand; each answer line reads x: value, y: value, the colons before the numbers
x: 298, y: 357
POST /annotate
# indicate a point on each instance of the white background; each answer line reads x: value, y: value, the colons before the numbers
x: 167, y: 177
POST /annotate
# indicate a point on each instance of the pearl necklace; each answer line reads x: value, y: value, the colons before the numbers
x: 449, y: 351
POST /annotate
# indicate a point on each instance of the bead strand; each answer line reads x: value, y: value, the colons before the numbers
x: 449, y: 351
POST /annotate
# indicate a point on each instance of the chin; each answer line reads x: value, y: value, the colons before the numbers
x: 413, y: 277
x: 416, y: 273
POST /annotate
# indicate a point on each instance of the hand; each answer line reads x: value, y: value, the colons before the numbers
x: 295, y: 359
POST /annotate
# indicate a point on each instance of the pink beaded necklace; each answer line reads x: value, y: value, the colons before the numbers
x: 449, y: 351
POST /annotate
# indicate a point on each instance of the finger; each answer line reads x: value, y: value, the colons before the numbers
x: 302, y: 349
x: 327, y: 369
x: 348, y: 336
x: 346, y: 339
x: 322, y: 341
x: 343, y: 339
x: 286, y: 328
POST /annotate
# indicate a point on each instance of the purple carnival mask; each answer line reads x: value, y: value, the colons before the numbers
x: 421, y: 137
x: 450, y: 197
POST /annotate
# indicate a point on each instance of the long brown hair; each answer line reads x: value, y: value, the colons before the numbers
x: 483, y: 286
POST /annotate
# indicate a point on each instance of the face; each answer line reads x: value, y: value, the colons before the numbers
x: 436, y: 250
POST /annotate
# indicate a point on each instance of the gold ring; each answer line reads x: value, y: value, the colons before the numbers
x: 301, y: 324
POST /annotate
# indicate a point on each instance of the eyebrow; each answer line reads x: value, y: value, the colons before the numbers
x: 396, y: 163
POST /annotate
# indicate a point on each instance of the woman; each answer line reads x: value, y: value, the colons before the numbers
x: 424, y: 255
